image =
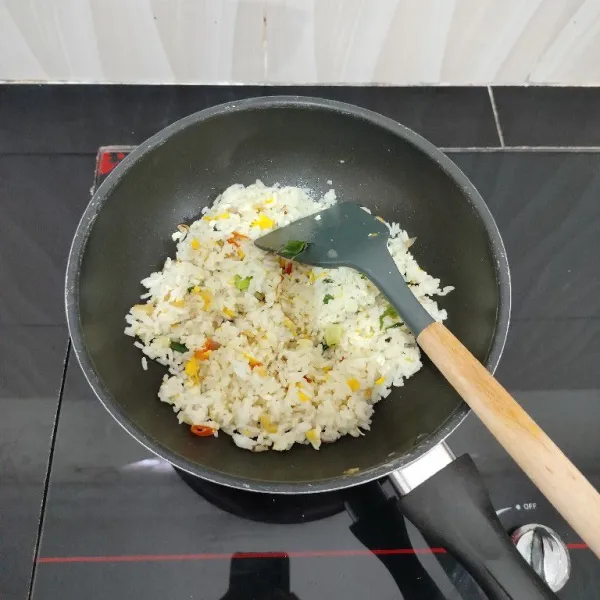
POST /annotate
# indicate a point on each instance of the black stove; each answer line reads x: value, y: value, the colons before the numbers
x: 87, y: 512
x: 116, y: 514
x: 266, y: 508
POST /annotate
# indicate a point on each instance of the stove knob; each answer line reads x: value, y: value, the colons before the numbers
x: 547, y: 554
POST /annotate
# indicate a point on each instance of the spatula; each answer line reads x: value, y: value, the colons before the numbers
x: 346, y: 235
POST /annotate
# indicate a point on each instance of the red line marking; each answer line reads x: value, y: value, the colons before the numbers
x: 131, y: 558
x: 227, y: 556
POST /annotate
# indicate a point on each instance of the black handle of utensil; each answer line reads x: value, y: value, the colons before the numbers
x: 453, y: 510
x: 379, y: 524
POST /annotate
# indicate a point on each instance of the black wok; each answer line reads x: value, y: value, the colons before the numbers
x: 125, y: 234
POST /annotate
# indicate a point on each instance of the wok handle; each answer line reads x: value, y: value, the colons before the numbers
x: 539, y: 457
x: 452, y: 509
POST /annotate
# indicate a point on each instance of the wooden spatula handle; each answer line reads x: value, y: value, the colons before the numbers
x: 539, y: 457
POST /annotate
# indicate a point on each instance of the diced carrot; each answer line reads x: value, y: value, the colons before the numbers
x: 202, y: 355
x: 210, y: 344
x: 236, y: 238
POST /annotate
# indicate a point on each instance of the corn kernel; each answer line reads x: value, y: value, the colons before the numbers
x: 263, y: 222
x: 207, y: 297
x: 267, y: 425
x: 195, y: 244
x: 314, y: 437
x: 191, y: 368
x: 252, y: 361
x: 145, y: 308
x: 303, y: 397
x: 353, y: 384
x: 218, y: 217
x: 379, y: 381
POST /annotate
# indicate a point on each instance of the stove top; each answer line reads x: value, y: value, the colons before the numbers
x: 120, y: 522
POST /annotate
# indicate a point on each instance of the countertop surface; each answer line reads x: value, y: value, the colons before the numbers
x: 70, y: 482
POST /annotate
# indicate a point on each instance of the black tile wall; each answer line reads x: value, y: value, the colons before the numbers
x: 549, y: 116
x: 552, y: 354
x: 41, y: 199
x: 547, y: 209
x: 80, y: 118
x: 31, y: 367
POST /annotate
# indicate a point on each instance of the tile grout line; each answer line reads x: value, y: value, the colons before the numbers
x: 519, y: 148
x: 502, y: 147
x: 496, y: 116
x: 44, y: 153
x: 38, y: 540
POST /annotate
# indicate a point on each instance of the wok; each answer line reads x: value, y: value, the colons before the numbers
x: 125, y: 233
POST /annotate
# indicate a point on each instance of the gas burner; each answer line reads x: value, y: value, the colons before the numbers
x: 267, y: 508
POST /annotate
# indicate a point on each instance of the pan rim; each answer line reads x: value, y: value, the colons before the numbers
x: 85, y: 226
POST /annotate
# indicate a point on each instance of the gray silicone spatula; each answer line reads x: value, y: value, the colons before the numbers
x: 346, y: 235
